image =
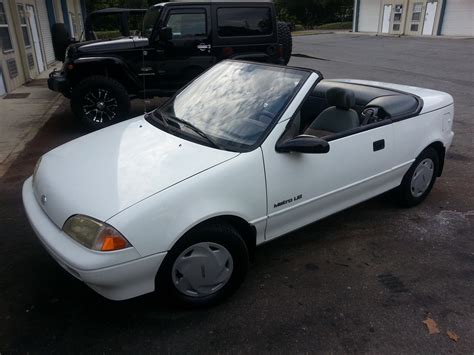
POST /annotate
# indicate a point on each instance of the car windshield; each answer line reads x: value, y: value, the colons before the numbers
x: 235, y: 103
x: 149, y: 21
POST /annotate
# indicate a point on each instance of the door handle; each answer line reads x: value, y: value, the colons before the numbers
x: 204, y: 47
x: 379, y: 145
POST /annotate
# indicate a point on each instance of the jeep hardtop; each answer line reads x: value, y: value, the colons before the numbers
x: 179, y: 41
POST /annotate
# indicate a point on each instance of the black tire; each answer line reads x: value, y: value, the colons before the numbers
x: 222, y: 235
x: 406, y: 194
x: 284, y: 38
x: 61, y: 40
x: 112, y: 97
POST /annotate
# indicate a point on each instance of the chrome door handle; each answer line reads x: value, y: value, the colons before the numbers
x: 203, y: 47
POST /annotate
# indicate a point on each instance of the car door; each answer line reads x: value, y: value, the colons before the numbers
x: 304, y: 187
x: 188, y: 53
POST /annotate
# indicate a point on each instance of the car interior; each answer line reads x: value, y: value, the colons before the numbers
x: 335, y: 107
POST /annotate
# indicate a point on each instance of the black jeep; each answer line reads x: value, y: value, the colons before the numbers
x: 179, y: 40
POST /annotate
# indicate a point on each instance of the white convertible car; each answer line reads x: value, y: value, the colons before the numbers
x: 176, y: 200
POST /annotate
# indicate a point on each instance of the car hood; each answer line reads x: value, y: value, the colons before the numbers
x: 105, y: 172
x: 112, y: 45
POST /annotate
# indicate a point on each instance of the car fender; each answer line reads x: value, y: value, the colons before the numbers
x: 413, y: 135
x: 106, y: 64
x: 233, y: 188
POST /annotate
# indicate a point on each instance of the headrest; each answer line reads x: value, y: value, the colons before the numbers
x: 341, y: 98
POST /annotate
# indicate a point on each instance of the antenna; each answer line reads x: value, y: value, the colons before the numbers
x: 145, y: 100
x: 144, y: 52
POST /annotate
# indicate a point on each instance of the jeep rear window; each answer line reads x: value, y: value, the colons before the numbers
x: 238, y: 22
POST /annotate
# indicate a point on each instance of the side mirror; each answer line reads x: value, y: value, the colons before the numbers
x: 166, y: 34
x: 304, y: 144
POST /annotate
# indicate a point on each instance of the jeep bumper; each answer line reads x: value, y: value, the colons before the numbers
x: 58, y: 82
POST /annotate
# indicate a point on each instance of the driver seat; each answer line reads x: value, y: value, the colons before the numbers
x: 339, y: 117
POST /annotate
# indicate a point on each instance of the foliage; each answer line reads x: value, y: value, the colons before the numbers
x: 308, y: 13
x: 315, y: 12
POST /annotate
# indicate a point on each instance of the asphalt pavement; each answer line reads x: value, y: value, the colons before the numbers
x: 361, y: 281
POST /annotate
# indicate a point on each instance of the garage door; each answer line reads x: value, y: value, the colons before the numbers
x: 459, y: 18
x: 45, y: 31
x: 369, y: 14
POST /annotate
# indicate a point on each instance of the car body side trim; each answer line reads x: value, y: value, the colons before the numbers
x: 401, y: 166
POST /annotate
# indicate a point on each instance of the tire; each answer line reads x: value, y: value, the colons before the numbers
x: 284, y: 38
x: 99, y: 101
x: 172, y: 280
x: 61, y: 40
x: 419, y: 179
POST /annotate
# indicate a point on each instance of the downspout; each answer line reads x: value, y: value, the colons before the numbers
x: 83, y: 10
x: 441, y: 18
x: 355, y: 25
x: 66, y: 16
x: 50, y: 10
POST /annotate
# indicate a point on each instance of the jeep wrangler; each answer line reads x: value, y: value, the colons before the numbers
x: 179, y: 41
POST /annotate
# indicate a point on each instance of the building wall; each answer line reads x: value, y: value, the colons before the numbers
x: 29, y: 27
x: 415, y: 17
x: 10, y: 59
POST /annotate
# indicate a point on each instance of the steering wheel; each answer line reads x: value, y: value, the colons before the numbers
x: 266, y: 116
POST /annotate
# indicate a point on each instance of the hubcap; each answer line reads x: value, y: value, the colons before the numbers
x: 202, y: 269
x: 100, y: 106
x: 421, y: 178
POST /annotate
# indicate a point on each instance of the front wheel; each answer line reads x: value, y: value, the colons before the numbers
x: 419, y: 179
x: 99, y: 101
x: 204, y: 267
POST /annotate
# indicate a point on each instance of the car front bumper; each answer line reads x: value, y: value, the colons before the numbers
x: 57, y: 81
x: 115, y: 275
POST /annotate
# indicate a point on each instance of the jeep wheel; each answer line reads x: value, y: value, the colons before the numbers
x: 99, y: 101
x: 204, y: 267
x: 284, y: 38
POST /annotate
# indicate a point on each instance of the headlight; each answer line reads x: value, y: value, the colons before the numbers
x: 94, y: 234
x: 36, y: 169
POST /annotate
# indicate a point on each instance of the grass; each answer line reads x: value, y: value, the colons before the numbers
x: 335, y: 26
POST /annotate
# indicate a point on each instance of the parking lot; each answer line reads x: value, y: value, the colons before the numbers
x: 363, y: 280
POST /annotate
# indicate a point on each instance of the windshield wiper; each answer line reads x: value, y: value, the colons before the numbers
x: 159, y: 115
x: 195, y: 129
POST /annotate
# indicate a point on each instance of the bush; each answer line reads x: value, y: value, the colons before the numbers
x: 108, y: 34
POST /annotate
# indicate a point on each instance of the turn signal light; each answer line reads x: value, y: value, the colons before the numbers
x: 113, y: 243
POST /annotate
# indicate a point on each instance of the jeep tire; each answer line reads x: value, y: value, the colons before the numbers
x: 99, y: 101
x: 284, y: 39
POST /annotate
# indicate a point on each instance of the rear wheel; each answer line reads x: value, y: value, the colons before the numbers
x: 204, y: 267
x: 284, y: 38
x: 99, y: 101
x: 419, y: 179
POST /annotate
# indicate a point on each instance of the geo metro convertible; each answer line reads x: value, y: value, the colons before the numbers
x: 177, y: 200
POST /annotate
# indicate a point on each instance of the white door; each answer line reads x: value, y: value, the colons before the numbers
x: 369, y: 15
x: 30, y: 10
x: 304, y: 187
x: 45, y: 31
x: 430, y: 15
x: 387, y: 13
x: 3, y: 90
x: 458, y: 18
